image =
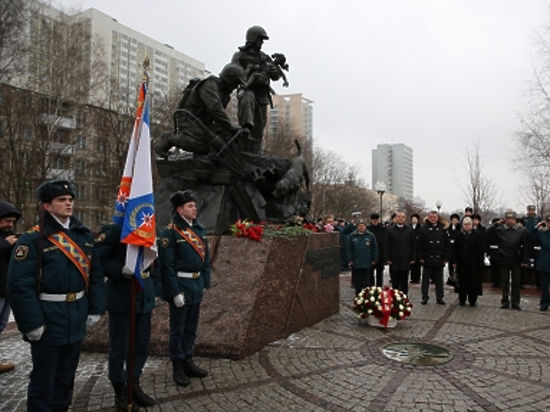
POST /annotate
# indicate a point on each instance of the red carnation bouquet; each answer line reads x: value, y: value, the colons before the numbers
x: 245, y: 228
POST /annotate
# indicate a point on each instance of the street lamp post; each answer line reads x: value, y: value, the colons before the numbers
x: 380, y: 189
x: 438, y: 204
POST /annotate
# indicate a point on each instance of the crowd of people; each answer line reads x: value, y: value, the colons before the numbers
x: 417, y: 250
x: 58, y: 280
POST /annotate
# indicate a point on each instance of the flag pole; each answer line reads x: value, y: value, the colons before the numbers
x: 130, y: 362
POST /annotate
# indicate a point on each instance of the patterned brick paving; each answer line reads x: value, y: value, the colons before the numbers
x: 501, y: 362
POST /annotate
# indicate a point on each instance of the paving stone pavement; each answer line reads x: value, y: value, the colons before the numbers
x: 501, y: 362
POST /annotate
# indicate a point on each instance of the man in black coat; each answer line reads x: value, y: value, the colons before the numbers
x: 380, y: 233
x: 433, y: 255
x: 510, y: 254
x: 467, y: 258
x: 415, y: 268
x: 9, y: 215
x: 492, y: 249
x: 399, y: 252
x: 452, y: 231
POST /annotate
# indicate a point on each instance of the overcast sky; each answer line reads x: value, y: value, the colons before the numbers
x: 436, y: 75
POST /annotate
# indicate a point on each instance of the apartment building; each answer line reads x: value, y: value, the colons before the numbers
x: 392, y: 165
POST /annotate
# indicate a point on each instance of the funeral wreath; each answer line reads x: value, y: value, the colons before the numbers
x: 382, y: 303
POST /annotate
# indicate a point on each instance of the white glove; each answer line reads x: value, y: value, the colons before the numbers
x: 36, y: 334
x: 487, y: 261
x: 127, y: 273
x: 179, y: 300
x: 92, y: 320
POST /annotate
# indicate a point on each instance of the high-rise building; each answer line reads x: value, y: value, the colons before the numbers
x: 107, y: 54
x: 392, y: 165
x: 291, y: 116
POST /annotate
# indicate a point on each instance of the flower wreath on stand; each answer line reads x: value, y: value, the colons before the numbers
x: 382, y: 303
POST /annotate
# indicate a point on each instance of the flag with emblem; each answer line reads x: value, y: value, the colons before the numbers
x: 134, y: 209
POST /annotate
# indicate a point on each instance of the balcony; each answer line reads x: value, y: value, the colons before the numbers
x: 60, y: 174
x: 58, y: 121
x: 61, y: 148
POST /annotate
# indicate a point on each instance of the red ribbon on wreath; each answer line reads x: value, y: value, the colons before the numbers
x: 386, y: 300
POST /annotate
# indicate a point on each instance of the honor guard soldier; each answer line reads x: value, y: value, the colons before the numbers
x: 110, y: 254
x: 55, y: 294
x: 185, y: 268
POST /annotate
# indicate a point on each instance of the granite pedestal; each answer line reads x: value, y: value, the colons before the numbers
x: 261, y: 292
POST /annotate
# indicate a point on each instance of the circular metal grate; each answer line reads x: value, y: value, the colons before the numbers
x: 421, y: 354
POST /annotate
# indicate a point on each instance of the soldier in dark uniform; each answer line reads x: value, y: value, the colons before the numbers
x: 55, y: 294
x: 253, y: 100
x: 111, y: 256
x: 9, y: 215
x: 206, y: 100
x: 185, y: 268
x: 531, y: 220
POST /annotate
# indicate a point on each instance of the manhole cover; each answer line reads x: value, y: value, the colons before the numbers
x: 421, y: 354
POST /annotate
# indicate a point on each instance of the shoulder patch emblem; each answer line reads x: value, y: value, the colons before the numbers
x: 21, y: 253
x: 101, y: 237
x: 164, y: 242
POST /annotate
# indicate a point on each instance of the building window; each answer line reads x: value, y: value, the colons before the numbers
x: 82, y: 142
x: 80, y: 167
x: 61, y: 163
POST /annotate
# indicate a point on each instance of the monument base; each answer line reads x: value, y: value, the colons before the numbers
x: 261, y: 292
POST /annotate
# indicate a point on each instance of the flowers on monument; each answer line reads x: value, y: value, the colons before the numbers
x: 246, y: 228
x: 311, y: 227
x: 328, y: 228
x: 382, y: 303
x: 256, y: 231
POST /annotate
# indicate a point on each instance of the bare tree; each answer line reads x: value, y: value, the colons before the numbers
x: 480, y: 190
x: 337, y: 188
x: 13, y: 50
x: 533, y: 139
x: 411, y: 206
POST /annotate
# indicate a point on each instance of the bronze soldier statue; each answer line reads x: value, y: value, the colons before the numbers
x: 201, y: 115
x: 254, y: 97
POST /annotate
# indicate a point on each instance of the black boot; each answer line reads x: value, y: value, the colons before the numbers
x: 192, y: 370
x: 121, y: 398
x: 140, y: 397
x: 179, y: 377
